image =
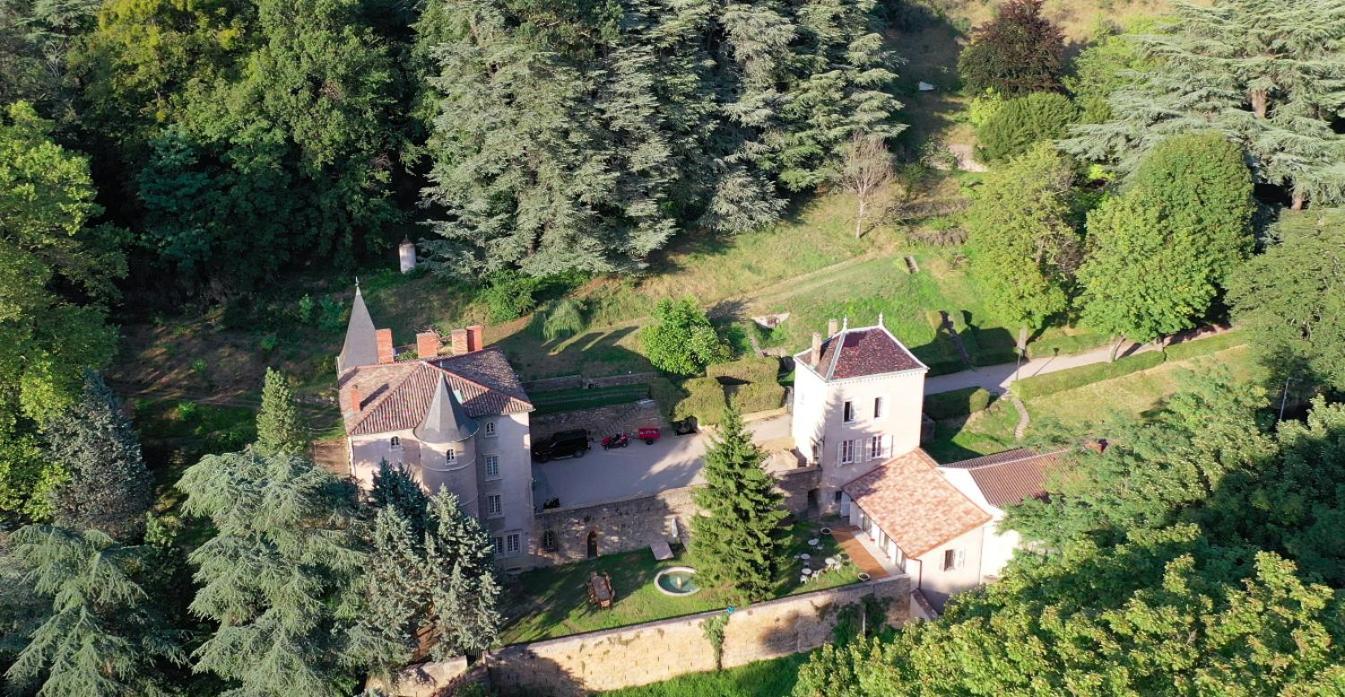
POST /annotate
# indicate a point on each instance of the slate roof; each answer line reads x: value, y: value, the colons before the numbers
x: 1012, y: 476
x: 854, y: 353
x: 361, y: 344
x: 914, y: 503
x: 397, y: 397
x: 445, y: 421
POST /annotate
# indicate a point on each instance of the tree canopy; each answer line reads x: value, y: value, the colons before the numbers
x: 1019, y: 123
x: 681, y: 339
x: 1016, y: 53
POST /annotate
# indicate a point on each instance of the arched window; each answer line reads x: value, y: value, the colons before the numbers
x: 396, y: 442
x: 549, y: 540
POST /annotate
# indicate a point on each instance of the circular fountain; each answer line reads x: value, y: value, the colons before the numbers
x: 677, y: 580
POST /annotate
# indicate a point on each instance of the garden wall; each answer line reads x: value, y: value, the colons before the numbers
x: 574, y: 382
x: 599, y: 421
x: 630, y: 524
x: 646, y: 653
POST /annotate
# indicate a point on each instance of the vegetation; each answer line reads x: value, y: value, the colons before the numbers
x: 737, y: 537
x: 681, y: 339
x: 1017, y: 53
x: 963, y: 402
x: 1023, y: 247
x: 760, y: 679
x: 107, y: 487
x: 1021, y: 122
x: 279, y: 431
x: 1050, y: 383
x: 1286, y: 299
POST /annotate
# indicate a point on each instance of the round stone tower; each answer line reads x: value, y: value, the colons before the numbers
x: 448, y: 448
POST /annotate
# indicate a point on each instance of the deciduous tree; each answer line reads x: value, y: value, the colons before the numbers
x: 681, y: 339
x: 1018, y: 52
x: 866, y: 170
x: 1023, y: 248
x: 738, y: 539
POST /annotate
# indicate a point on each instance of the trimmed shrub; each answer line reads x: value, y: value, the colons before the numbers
x: 958, y: 403
x: 1051, y: 383
x: 668, y: 394
x: 1204, y: 347
x: 1023, y: 122
x: 750, y: 369
x: 753, y: 381
x: 705, y: 400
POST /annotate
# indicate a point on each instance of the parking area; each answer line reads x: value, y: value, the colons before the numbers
x: 636, y: 470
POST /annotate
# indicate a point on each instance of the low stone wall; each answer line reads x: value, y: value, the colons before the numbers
x: 598, y: 421
x: 631, y: 524
x: 574, y: 382
x: 647, y: 653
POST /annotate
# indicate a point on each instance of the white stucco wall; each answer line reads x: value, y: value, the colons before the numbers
x: 936, y: 582
x: 511, y: 444
x: 819, y: 421
x: 999, y: 544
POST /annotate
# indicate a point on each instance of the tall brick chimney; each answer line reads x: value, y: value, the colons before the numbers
x: 476, y: 338
x: 386, y: 355
x: 815, y: 356
x: 352, y: 403
x: 459, y: 341
x: 428, y: 344
x: 832, y: 327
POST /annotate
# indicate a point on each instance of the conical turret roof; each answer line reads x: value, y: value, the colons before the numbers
x: 361, y: 346
x: 446, y: 421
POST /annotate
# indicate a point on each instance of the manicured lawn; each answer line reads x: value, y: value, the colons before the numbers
x: 1130, y: 395
x: 552, y: 602
x: 772, y: 678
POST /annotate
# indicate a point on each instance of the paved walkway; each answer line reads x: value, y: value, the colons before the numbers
x: 997, y: 378
x: 858, y: 554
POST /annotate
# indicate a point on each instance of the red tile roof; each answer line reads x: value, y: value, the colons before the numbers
x: 859, y: 352
x: 1012, y: 476
x: 914, y: 504
x: 395, y: 397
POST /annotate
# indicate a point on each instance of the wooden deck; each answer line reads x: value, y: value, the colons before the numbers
x: 858, y: 554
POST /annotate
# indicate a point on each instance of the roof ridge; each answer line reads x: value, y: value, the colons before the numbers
x: 378, y: 401
x: 836, y: 355
x: 1026, y: 453
x: 478, y: 383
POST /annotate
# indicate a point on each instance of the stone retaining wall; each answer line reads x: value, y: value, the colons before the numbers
x: 631, y: 524
x: 647, y: 653
x: 574, y: 382
x: 599, y: 421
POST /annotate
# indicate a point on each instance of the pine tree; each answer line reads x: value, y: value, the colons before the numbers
x: 279, y: 576
x: 737, y: 539
x: 1022, y: 247
x: 279, y: 429
x: 108, y: 487
x: 101, y: 636
x: 394, y: 488
x: 385, y: 638
x: 1263, y: 72
x: 459, y: 579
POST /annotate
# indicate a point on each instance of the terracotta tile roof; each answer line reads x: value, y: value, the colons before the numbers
x: 914, y: 504
x: 856, y: 353
x: 1012, y: 476
x: 396, y: 397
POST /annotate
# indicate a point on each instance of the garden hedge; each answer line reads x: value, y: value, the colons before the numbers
x: 754, y: 382
x: 1051, y: 383
x: 1204, y: 347
x: 958, y: 403
x: 704, y: 400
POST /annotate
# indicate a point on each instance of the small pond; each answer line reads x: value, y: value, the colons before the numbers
x: 677, y: 580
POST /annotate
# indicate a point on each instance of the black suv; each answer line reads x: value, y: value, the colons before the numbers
x: 564, y: 444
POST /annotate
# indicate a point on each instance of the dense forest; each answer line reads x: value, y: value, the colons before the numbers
x: 170, y: 158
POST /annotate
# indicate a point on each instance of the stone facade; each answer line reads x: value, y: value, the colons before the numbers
x: 572, y: 534
x: 647, y: 653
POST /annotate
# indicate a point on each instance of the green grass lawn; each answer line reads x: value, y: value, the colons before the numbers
x: 551, y: 602
x: 556, y: 401
x: 771, y: 678
x: 1130, y: 395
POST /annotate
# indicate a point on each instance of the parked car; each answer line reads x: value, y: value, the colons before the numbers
x: 685, y: 427
x: 563, y: 444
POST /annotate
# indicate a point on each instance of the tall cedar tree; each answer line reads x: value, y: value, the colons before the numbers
x: 564, y: 138
x: 1023, y: 248
x: 737, y: 539
x: 431, y: 571
x: 1263, y: 72
x: 280, y: 576
x: 1289, y: 298
x: 108, y: 487
x: 101, y: 636
x: 279, y: 429
x: 1160, y: 252
x: 1017, y: 52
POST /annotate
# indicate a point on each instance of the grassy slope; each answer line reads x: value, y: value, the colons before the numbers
x: 773, y: 678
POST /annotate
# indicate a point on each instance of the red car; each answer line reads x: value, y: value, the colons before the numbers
x: 648, y: 434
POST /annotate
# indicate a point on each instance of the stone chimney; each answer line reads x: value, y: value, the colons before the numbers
x: 406, y: 256
x: 386, y: 354
x: 352, y: 404
x: 459, y: 341
x: 832, y: 327
x: 476, y: 338
x: 428, y: 344
x: 815, y: 356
